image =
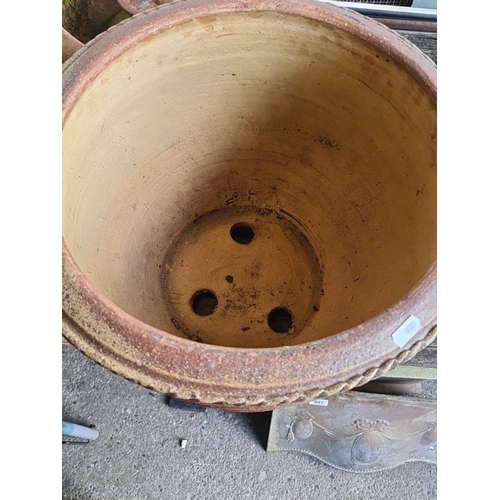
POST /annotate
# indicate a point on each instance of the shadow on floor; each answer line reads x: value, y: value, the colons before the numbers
x: 259, y: 423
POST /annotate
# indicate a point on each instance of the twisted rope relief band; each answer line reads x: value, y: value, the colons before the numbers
x: 248, y: 403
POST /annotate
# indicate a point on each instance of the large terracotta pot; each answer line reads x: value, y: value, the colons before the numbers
x: 83, y: 20
x: 249, y: 201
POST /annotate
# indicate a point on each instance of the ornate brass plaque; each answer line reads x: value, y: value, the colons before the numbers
x: 359, y: 432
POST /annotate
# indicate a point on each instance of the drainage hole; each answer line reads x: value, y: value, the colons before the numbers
x: 280, y: 320
x: 242, y: 233
x: 203, y: 302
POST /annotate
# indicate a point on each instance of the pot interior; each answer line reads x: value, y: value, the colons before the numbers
x: 251, y: 180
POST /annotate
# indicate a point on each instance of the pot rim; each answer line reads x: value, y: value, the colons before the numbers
x: 83, y: 67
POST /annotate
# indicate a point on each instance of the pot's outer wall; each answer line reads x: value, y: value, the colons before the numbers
x: 234, y: 378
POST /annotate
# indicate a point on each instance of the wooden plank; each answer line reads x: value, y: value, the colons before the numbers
x: 426, y: 42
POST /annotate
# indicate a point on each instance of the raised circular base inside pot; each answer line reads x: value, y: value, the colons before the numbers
x: 242, y: 277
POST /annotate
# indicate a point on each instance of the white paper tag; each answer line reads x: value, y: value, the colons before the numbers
x: 319, y: 402
x: 406, y: 331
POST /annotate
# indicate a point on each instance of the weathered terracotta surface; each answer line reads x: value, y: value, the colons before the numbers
x: 310, y: 124
x: 135, y: 6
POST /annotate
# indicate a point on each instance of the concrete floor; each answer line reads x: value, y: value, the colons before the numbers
x: 137, y: 455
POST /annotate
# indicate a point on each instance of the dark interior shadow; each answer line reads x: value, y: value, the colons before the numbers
x: 259, y: 424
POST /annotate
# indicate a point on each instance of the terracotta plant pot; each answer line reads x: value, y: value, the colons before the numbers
x: 249, y: 201
x: 83, y: 20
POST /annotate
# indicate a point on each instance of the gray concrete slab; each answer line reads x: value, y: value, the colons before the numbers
x: 138, y: 456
